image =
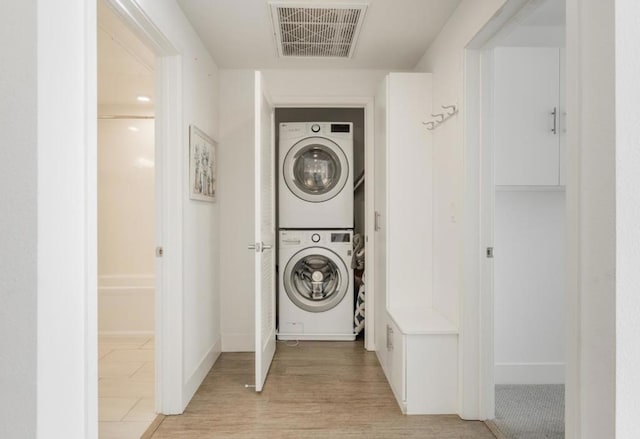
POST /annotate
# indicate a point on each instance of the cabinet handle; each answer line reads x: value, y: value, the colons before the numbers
x: 554, y: 113
x: 376, y: 221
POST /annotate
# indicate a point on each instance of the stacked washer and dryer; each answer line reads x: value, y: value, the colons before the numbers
x: 315, y: 289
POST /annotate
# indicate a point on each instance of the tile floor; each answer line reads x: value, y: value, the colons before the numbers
x: 125, y: 386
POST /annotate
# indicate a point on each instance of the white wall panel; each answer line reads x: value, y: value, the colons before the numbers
x: 591, y: 220
x: 67, y: 241
x: 236, y: 198
x: 627, y: 218
x: 409, y: 180
x: 18, y: 221
x: 529, y: 287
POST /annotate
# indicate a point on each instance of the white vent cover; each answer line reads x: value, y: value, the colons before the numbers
x: 316, y: 30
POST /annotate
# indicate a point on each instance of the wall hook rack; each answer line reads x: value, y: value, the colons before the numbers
x: 440, y: 118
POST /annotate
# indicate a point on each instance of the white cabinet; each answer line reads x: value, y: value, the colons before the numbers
x: 422, y: 357
x: 526, y: 116
x: 407, y: 217
x: 416, y: 345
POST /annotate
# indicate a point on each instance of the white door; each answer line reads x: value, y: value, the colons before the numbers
x: 264, y: 242
x: 526, y: 115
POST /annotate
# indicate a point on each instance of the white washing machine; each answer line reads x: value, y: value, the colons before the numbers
x: 316, y: 175
x: 315, y: 289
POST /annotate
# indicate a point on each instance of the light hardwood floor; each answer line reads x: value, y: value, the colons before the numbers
x: 314, y: 390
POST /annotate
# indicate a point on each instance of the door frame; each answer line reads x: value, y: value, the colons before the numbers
x: 477, y: 381
x: 367, y: 104
x: 168, y: 214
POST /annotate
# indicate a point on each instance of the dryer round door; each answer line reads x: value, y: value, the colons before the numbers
x: 316, y: 279
x: 315, y: 169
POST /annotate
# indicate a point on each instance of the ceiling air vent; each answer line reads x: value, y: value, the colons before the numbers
x: 316, y: 30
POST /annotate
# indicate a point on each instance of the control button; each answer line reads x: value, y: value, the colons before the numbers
x: 315, y: 127
x: 315, y: 237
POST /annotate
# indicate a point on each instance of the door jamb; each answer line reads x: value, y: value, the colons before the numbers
x: 477, y: 381
x: 366, y: 103
x: 168, y: 217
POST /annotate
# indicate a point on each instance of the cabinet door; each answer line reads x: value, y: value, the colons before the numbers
x: 380, y: 222
x: 396, y: 362
x: 526, y: 90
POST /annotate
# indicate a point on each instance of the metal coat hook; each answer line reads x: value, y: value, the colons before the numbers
x: 430, y: 125
x: 451, y: 110
x: 440, y: 116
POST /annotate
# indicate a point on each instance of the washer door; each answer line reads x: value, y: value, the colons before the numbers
x: 316, y: 279
x: 315, y: 169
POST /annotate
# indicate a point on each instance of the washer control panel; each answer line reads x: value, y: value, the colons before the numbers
x: 310, y: 237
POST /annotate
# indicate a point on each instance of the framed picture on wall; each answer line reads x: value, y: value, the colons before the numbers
x: 202, y: 165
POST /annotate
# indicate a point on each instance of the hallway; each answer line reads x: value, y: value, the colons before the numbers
x: 314, y: 390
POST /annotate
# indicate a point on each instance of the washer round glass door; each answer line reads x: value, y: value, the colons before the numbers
x: 316, y: 279
x: 315, y: 169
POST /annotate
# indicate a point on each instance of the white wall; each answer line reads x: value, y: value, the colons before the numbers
x: 66, y: 179
x: 18, y: 220
x: 591, y: 220
x: 627, y: 219
x: 407, y: 218
x: 236, y: 154
x: 298, y: 84
x: 533, y: 36
x: 236, y: 198
x: 200, y: 228
x: 126, y: 226
x: 445, y: 59
x: 529, y: 287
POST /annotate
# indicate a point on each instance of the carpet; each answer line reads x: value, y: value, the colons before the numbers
x: 530, y: 411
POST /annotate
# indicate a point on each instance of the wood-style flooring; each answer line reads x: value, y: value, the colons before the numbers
x: 314, y: 390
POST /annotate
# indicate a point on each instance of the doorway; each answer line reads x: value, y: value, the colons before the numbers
x: 361, y: 111
x: 520, y: 69
x: 265, y: 300
x: 355, y: 166
x: 126, y: 230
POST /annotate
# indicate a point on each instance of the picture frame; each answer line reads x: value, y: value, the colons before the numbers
x: 202, y: 165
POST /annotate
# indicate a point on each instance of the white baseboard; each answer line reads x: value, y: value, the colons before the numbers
x: 126, y: 309
x: 126, y: 304
x: 126, y: 333
x: 238, y: 342
x: 529, y: 373
x: 196, y: 378
x: 144, y: 280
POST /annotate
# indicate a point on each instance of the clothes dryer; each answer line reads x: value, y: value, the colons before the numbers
x: 315, y: 285
x: 315, y: 175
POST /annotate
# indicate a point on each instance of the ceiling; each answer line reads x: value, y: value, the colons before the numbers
x: 394, y: 36
x: 550, y: 13
x: 125, y: 66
